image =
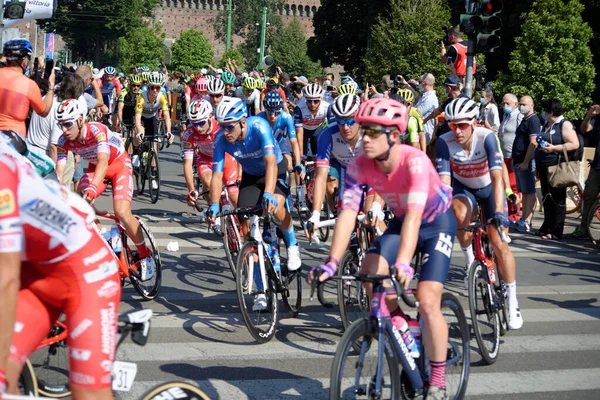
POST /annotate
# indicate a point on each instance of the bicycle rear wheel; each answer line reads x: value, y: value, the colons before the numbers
x: 484, y: 314
x: 292, y: 282
x: 27, y: 381
x: 344, y: 370
x: 260, y: 323
x: 352, y: 296
x: 594, y: 223
x: 175, y: 390
x: 574, y: 199
x: 150, y: 288
x: 458, y: 357
x: 153, y: 176
x: 50, y: 367
x: 232, y: 241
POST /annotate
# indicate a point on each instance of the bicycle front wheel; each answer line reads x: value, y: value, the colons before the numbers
x: 182, y: 389
x: 50, y: 367
x: 594, y: 223
x: 458, y: 357
x: 352, y: 296
x: 27, y: 381
x: 355, y: 376
x: 148, y: 289
x: 292, y: 281
x: 484, y: 315
x: 140, y: 174
x: 153, y: 177
x: 232, y: 241
x: 574, y: 199
x: 259, y: 321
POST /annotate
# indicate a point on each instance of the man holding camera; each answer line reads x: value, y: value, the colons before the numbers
x: 456, y: 55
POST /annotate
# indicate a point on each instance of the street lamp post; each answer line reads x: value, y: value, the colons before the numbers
x: 229, y: 11
x: 263, y: 31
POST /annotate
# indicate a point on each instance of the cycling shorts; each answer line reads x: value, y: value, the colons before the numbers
x: 285, y: 145
x: 87, y: 288
x: 313, y: 137
x: 119, y: 173
x: 150, y: 126
x: 335, y: 169
x: 252, y: 187
x: 230, y: 170
x: 436, y: 239
x: 485, y: 196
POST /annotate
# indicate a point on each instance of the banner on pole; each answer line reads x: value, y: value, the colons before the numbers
x: 49, y: 46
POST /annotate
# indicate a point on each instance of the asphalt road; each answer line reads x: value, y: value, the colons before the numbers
x: 198, y: 334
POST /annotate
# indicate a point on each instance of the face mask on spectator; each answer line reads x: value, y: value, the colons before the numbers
x: 543, y: 114
x: 482, y: 100
x: 508, y: 109
x: 326, y: 83
x: 524, y: 110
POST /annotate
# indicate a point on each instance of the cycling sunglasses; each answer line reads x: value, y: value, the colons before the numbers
x: 273, y: 112
x: 137, y: 86
x: 199, y: 123
x: 66, y: 124
x: 216, y: 95
x: 374, y: 133
x: 154, y: 87
x: 346, y: 121
x: 228, y: 128
x: 313, y: 101
x: 462, y: 125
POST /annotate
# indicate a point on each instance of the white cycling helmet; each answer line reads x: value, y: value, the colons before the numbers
x: 210, y: 77
x: 461, y: 108
x: 345, y: 105
x: 199, y: 110
x: 110, y: 70
x: 231, y: 109
x: 313, y: 91
x: 216, y: 86
x: 156, y: 79
x: 69, y: 110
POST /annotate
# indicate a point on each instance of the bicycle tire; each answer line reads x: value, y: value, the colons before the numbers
x: 249, y: 250
x: 501, y: 297
x: 480, y: 291
x: 324, y: 230
x: 50, y: 367
x: 27, y: 381
x: 150, y: 291
x: 365, y: 329
x: 153, y: 175
x: 161, y: 132
x: 142, y: 171
x: 574, y: 199
x: 232, y: 242
x: 190, y: 391
x: 292, y: 282
x: 350, y: 265
x: 459, y: 331
x: 593, y: 227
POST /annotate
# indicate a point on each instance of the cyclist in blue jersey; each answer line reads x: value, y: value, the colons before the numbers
x: 264, y: 173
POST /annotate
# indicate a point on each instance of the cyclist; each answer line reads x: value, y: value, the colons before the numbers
x: 199, y: 138
x: 469, y: 159
x: 216, y: 91
x: 109, y: 92
x: 200, y: 89
x: 342, y: 89
x: 309, y: 115
x: 127, y: 101
x: 53, y: 261
x: 228, y: 78
x: 108, y: 159
x: 408, y: 182
x: 273, y: 86
x: 264, y: 173
x: 249, y: 93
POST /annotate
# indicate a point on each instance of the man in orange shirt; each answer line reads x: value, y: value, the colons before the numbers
x: 17, y: 92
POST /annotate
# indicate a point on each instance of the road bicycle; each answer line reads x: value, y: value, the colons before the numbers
x: 593, y: 227
x: 307, y: 185
x: 146, y: 167
x: 486, y: 291
x: 134, y: 324
x: 373, y: 372
x: 261, y: 269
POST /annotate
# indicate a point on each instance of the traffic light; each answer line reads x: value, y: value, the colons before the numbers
x: 62, y: 57
x: 487, y: 23
x: 14, y: 9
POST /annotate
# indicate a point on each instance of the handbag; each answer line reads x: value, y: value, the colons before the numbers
x: 564, y: 174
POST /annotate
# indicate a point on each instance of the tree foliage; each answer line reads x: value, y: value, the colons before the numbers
x: 233, y: 54
x: 141, y: 46
x: 552, y: 58
x: 290, y: 52
x: 245, y: 15
x: 404, y: 42
x: 91, y: 28
x: 342, y: 31
x: 191, y: 51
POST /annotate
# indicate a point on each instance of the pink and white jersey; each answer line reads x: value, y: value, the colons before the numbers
x: 413, y: 184
x: 472, y: 168
x: 97, y: 139
x: 192, y: 140
x: 37, y: 216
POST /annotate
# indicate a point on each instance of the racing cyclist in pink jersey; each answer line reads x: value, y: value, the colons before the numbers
x: 108, y: 159
x: 406, y: 179
x: 469, y: 159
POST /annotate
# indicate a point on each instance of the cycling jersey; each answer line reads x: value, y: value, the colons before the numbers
x: 303, y: 118
x: 332, y: 143
x: 470, y: 169
x: 252, y: 101
x: 128, y: 99
x: 108, y: 94
x: 196, y: 96
x: 412, y: 131
x: 267, y: 90
x: 97, y: 139
x: 283, y: 130
x: 249, y: 152
x: 414, y: 184
x: 150, y: 109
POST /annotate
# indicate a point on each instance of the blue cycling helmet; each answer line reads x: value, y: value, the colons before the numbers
x: 231, y: 109
x: 110, y: 71
x: 273, y: 101
x: 16, y: 49
x: 145, y: 68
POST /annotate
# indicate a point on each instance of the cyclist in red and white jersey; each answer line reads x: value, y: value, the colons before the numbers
x: 309, y: 116
x: 199, y: 138
x: 53, y: 261
x: 108, y: 159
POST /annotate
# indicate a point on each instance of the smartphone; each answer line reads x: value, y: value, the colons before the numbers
x: 49, y: 68
x: 330, y: 88
x: 369, y: 84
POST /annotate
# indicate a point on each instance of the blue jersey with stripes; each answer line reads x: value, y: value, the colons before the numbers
x: 283, y: 130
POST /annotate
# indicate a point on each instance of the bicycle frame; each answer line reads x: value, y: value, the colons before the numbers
x: 121, y: 258
x: 54, y: 338
x: 256, y: 235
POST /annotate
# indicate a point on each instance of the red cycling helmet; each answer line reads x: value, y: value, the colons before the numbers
x: 385, y: 112
x: 201, y: 85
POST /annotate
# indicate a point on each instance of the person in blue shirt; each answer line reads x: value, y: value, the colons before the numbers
x: 264, y: 172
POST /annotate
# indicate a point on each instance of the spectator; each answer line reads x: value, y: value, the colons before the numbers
x: 452, y: 86
x: 559, y: 134
x: 386, y: 85
x: 489, y: 111
x: 19, y: 93
x: 522, y: 151
x: 456, y: 56
x: 427, y: 103
x: 590, y: 125
x: 92, y: 92
x: 506, y: 133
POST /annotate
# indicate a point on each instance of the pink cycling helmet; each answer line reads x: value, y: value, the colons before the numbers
x: 385, y: 112
x: 201, y: 85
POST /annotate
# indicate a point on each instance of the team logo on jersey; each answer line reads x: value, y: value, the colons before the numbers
x: 7, y: 202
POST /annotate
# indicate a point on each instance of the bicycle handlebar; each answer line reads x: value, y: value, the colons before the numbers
x: 473, y: 226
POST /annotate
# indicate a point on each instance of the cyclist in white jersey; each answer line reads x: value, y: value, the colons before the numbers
x: 309, y: 116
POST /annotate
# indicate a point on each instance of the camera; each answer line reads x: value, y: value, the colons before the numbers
x: 445, y: 39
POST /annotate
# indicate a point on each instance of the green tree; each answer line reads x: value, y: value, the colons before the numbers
x: 290, y: 53
x: 552, y: 58
x: 233, y: 54
x: 141, y: 46
x: 404, y: 42
x: 191, y: 51
x: 91, y: 28
x: 245, y: 15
